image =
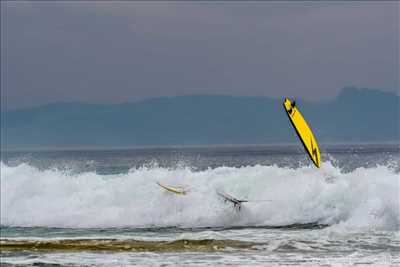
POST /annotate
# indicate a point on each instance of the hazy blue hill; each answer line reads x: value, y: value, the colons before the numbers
x: 354, y: 116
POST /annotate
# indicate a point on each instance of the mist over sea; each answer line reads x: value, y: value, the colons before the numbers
x: 104, y: 208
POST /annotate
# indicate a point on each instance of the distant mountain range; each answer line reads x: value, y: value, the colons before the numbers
x: 355, y: 115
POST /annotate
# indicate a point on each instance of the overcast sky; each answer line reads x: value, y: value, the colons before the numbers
x: 111, y: 52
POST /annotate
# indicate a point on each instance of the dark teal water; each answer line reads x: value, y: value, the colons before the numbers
x: 113, y: 161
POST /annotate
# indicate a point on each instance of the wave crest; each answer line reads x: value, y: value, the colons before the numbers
x: 365, y: 198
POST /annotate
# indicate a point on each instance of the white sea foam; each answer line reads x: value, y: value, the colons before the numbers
x: 366, y: 198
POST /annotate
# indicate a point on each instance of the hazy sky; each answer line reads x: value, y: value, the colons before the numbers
x: 109, y: 52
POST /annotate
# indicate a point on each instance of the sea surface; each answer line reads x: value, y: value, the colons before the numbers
x: 104, y: 208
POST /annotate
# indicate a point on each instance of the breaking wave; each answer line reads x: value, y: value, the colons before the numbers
x: 365, y: 198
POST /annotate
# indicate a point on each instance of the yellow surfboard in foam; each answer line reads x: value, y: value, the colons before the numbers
x: 303, y: 131
x: 177, y: 190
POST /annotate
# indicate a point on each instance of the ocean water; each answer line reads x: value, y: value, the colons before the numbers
x: 104, y: 208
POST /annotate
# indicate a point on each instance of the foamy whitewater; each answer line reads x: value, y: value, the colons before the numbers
x: 366, y: 198
x: 105, y: 208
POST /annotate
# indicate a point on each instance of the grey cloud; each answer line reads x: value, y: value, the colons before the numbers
x: 125, y: 51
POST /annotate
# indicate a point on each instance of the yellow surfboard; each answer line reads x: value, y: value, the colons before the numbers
x: 303, y: 131
x: 177, y: 190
